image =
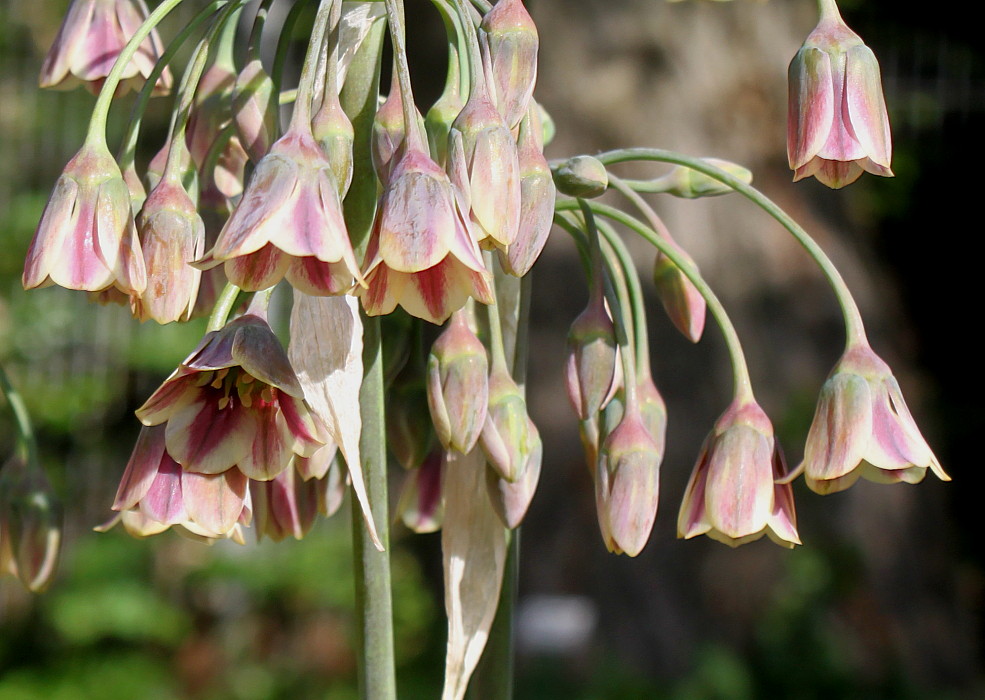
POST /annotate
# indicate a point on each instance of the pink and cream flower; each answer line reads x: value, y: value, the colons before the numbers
x: 235, y: 402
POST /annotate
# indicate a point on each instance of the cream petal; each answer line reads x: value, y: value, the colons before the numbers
x: 258, y: 270
x: 867, y: 105
x: 202, y: 438
x: 270, y: 452
x: 739, y: 495
x: 842, y: 427
x: 214, y: 502
x: 811, y: 105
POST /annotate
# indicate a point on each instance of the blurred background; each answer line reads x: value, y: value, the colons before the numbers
x: 884, y: 599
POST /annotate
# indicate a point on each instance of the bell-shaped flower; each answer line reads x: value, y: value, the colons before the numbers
x: 537, y: 195
x: 90, y: 39
x: 288, y: 223
x: 627, y: 484
x: 86, y: 238
x: 733, y: 495
x: 509, y: 42
x: 420, y: 253
x: 235, y: 402
x: 284, y: 506
x: 483, y: 165
x: 156, y: 493
x: 458, y: 385
x: 862, y: 428
x: 837, y: 124
x: 172, y: 234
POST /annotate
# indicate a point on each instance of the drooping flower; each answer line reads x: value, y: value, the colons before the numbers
x: 86, y: 238
x: 508, y: 436
x: 837, y: 125
x: 235, y: 402
x: 420, y: 254
x: 511, y: 499
x: 90, y: 39
x: 288, y: 224
x: 590, y: 368
x: 732, y: 495
x: 156, y: 493
x: 30, y: 525
x: 509, y: 42
x: 862, y: 428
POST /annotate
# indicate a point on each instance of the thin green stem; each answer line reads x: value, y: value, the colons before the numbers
x: 742, y: 386
x: 495, y: 326
x: 854, y: 328
x: 27, y: 444
x: 256, y: 31
x: 223, y: 307
x: 482, y: 6
x: 377, y: 675
x: 301, y: 118
x: 456, y: 78
x: 476, y: 77
x: 284, y: 46
x: 100, y: 112
x: 128, y: 146
x: 622, y: 258
x: 412, y: 134
x: 644, y: 208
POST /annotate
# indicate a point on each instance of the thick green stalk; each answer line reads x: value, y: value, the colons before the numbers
x: 854, y: 328
x: 223, y: 307
x: 376, y: 668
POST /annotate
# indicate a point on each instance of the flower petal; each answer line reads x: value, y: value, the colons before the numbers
x: 202, y: 438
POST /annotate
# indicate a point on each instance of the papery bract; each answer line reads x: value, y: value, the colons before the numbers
x: 86, y: 238
x: 837, y: 124
x: 90, y: 39
x: 862, y: 428
x: 235, y: 402
x: 732, y: 496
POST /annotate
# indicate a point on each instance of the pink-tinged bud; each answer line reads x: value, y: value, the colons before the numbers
x: 420, y: 506
x: 458, y: 385
x: 284, y: 506
x: 172, y: 234
x: 837, y: 124
x: 30, y: 526
x: 235, y: 402
x: 255, y: 110
x: 334, y: 133
x: 155, y: 494
x: 581, y: 176
x: 483, y: 165
x: 653, y: 411
x: 511, y: 500
x: 591, y: 364
x: 288, y: 224
x: 537, y: 195
x: 507, y: 439
x: 420, y: 254
x: 690, y: 184
x: 389, y: 131
x: 86, y: 238
x: 732, y: 495
x: 211, y: 114
x: 91, y: 38
x: 627, y: 485
x: 680, y: 298
x: 409, y: 431
x: 509, y: 42
x: 862, y: 428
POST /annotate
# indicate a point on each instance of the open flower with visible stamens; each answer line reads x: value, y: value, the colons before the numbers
x: 155, y: 494
x: 235, y: 402
x: 420, y: 253
x: 288, y: 224
x: 91, y: 38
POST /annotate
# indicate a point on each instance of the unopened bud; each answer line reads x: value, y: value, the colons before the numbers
x: 691, y: 184
x: 255, y: 110
x: 627, y: 485
x: 508, y: 38
x: 511, y: 500
x: 458, y: 385
x: 420, y: 506
x: 581, y: 176
x: 680, y: 298
x: 591, y: 363
x: 506, y: 439
x: 334, y: 133
x: 30, y: 526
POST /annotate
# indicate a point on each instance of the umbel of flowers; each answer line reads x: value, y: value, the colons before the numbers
x: 443, y: 216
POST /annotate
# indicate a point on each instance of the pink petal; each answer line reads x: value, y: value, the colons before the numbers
x: 259, y: 270
x: 811, y: 105
x: 739, y: 495
x: 316, y: 278
x: 867, y: 106
x: 270, y: 451
x: 214, y: 502
x: 202, y: 438
x: 841, y: 429
x: 836, y: 174
x: 691, y: 520
x: 173, y: 395
x: 164, y: 502
x: 145, y: 462
x: 304, y: 427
